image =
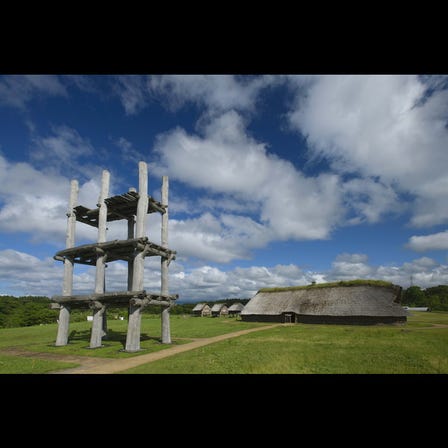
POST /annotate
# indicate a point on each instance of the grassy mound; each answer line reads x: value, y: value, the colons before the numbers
x: 331, y: 285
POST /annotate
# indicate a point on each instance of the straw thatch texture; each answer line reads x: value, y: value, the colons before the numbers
x: 236, y: 308
x: 339, y: 304
x: 219, y: 309
x: 201, y: 309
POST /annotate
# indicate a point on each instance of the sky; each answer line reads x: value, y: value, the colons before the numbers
x: 274, y: 180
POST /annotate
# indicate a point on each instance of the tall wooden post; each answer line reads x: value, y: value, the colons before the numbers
x: 67, y: 287
x: 134, y: 323
x: 166, y: 330
x: 131, y: 225
x: 99, y: 312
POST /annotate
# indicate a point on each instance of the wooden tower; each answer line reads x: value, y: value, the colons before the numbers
x: 133, y: 207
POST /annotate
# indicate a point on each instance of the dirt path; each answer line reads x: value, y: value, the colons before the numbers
x: 92, y: 365
x: 83, y: 360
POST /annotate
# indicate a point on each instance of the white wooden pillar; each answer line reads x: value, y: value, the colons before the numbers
x: 166, y: 330
x: 131, y: 225
x: 99, y: 312
x: 67, y: 287
x: 134, y: 323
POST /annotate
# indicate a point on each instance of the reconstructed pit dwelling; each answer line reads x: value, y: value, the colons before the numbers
x: 132, y: 207
x: 354, y: 302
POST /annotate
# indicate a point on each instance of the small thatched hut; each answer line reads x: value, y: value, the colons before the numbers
x: 201, y: 309
x: 235, y: 309
x: 353, y: 302
x: 219, y: 309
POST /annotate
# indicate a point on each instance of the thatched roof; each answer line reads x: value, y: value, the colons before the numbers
x: 199, y: 307
x: 334, y: 300
x: 236, y: 307
x: 217, y: 307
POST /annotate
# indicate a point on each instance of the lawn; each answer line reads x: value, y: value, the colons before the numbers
x: 321, y: 349
x: 19, y: 364
x: 419, y: 346
x: 42, y: 338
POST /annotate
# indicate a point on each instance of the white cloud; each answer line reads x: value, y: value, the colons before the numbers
x: 209, y: 283
x: 132, y: 92
x: 179, y: 202
x: 369, y: 200
x: 25, y: 274
x: 128, y: 152
x: 227, y: 203
x: 18, y: 90
x: 430, y: 203
x: 219, y: 239
x: 384, y: 126
x: 225, y: 160
x: 217, y: 93
x: 350, y: 266
x: 36, y: 202
x: 85, y: 83
x: 436, y: 241
x: 64, y: 151
x: 424, y: 271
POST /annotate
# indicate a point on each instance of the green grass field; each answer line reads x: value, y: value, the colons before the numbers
x: 405, y: 349
x: 41, y: 339
x: 300, y: 348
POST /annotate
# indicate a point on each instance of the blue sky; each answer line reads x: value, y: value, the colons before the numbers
x: 275, y: 180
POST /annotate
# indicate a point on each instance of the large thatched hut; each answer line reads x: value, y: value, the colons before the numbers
x: 353, y: 302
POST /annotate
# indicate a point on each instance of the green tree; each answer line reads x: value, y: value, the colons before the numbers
x: 414, y: 296
x: 441, y: 292
x: 433, y: 302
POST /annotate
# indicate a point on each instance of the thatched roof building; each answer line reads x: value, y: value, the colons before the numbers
x: 201, y: 309
x: 236, y: 308
x: 219, y: 309
x: 354, y: 302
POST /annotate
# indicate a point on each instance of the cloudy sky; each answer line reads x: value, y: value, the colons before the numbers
x: 275, y: 180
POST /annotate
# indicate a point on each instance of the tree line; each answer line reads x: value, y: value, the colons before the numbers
x: 436, y: 297
x: 25, y: 311
x: 35, y: 310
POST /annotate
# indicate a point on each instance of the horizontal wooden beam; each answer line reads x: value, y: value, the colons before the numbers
x: 147, y: 301
x: 116, y: 297
x: 106, y: 296
x: 160, y: 302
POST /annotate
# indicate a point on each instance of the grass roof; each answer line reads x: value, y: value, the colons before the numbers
x: 331, y: 285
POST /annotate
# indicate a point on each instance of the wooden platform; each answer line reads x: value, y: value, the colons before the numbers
x: 122, y: 206
x: 115, y: 250
x: 118, y: 298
